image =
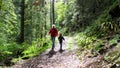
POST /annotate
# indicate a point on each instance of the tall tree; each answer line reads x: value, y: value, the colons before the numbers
x: 22, y: 21
x: 0, y: 4
x: 53, y: 18
x: 119, y: 2
x: 50, y: 13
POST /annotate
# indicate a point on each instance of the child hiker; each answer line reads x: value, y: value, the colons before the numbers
x: 61, y: 38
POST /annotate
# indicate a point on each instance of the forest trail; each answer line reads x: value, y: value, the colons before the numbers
x: 67, y: 59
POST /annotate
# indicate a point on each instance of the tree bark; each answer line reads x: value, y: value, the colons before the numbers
x: 119, y: 3
x: 43, y: 3
x: 53, y: 19
x: 0, y: 4
x: 22, y: 21
x: 50, y: 13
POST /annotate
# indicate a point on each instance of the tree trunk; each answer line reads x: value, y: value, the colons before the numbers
x: 119, y: 3
x: 43, y: 3
x: 50, y: 13
x: 0, y: 4
x: 53, y: 19
x: 45, y: 25
x: 22, y: 21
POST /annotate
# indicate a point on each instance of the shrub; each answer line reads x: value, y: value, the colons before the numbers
x: 114, y: 40
x: 84, y: 40
x: 36, y: 48
x: 98, y: 45
x: 9, y: 50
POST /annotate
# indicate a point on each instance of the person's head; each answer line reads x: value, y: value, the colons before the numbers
x: 53, y: 26
x: 60, y: 34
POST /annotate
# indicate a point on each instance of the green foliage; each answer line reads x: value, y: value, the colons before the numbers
x: 35, y: 28
x: 60, y: 10
x: 114, y: 40
x: 106, y: 23
x: 113, y: 56
x: 75, y: 16
x: 103, y: 24
x: 94, y: 30
x: 79, y: 14
x: 25, y: 50
x: 8, y: 29
x: 36, y: 48
x: 35, y: 21
x: 63, y: 31
x: 9, y: 50
x: 110, y: 56
x: 84, y: 40
x: 98, y: 46
x: 8, y: 24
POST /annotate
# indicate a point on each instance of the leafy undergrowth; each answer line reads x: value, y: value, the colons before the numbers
x: 89, y: 43
x: 92, y: 46
x: 36, y: 48
x: 102, y: 37
x: 113, y: 57
x: 12, y: 52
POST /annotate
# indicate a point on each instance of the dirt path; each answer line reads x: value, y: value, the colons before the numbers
x: 66, y: 59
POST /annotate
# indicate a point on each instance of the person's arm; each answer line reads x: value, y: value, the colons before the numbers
x: 59, y: 38
x: 63, y: 38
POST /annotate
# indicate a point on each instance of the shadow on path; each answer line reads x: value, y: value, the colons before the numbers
x: 52, y: 52
x: 66, y: 58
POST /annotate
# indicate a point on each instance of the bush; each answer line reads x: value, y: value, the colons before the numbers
x: 18, y: 51
x: 9, y: 50
x: 84, y: 40
x: 94, y: 30
x: 98, y: 45
x: 36, y: 48
x: 114, y: 40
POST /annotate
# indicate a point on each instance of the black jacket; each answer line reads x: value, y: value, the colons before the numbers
x: 61, y: 38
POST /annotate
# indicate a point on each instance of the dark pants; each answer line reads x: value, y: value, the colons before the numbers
x: 60, y: 45
x: 53, y: 42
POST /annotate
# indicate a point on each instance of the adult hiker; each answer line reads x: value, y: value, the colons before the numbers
x: 53, y: 32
